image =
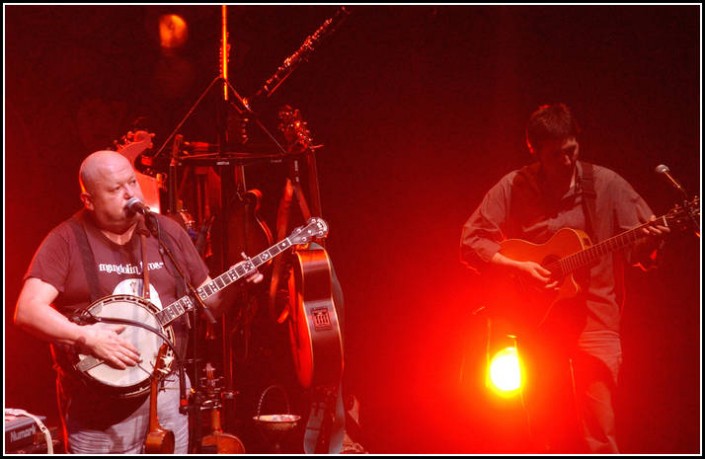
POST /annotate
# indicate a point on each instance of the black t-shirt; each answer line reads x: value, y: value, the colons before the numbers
x: 62, y: 260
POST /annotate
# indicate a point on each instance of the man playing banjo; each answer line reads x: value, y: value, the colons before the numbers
x: 96, y: 258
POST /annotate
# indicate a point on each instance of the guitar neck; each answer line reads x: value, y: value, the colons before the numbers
x: 159, y: 368
x: 240, y: 270
x: 568, y: 264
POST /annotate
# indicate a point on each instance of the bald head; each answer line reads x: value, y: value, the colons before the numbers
x: 97, y: 165
x: 108, y: 181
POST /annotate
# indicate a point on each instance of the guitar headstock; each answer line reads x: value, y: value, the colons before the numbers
x: 315, y: 228
x: 686, y: 215
x: 295, y: 130
x: 134, y: 143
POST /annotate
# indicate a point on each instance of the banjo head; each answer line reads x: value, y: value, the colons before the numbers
x: 144, y: 335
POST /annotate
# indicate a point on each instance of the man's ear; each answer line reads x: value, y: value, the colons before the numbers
x: 87, y: 200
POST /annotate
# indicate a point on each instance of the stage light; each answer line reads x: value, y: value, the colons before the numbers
x: 504, y: 372
x: 173, y: 32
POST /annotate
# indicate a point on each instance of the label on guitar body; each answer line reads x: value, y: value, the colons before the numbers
x: 321, y: 318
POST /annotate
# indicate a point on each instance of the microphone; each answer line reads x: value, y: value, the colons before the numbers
x: 136, y: 206
x: 666, y: 172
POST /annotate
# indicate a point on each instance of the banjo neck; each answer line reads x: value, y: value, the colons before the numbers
x: 316, y: 228
x: 148, y: 325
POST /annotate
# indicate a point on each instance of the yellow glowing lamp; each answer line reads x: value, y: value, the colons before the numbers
x: 504, y: 372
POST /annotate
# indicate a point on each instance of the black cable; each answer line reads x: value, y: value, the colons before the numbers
x: 85, y: 317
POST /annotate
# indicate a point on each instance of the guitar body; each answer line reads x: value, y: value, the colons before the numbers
x: 314, y: 330
x: 160, y: 441
x: 535, y: 306
x: 221, y: 443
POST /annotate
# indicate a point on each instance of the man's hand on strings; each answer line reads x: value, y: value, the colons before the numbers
x: 253, y: 276
x: 104, y: 341
x: 528, y: 272
x: 656, y: 228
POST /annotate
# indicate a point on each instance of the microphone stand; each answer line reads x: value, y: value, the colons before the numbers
x: 692, y: 207
x: 153, y: 226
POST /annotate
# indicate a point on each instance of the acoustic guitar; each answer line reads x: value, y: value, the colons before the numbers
x: 158, y: 440
x: 316, y: 341
x: 299, y: 145
x: 314, y: 331
x: 566, y: 253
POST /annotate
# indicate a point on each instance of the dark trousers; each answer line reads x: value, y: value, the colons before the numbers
x: 570, y: 389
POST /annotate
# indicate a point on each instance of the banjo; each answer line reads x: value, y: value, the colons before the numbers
x: 148, y: 327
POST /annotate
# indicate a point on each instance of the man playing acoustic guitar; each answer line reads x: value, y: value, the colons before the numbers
x: 570, y: 327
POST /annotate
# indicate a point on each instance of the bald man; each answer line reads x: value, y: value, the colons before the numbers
x: 96, y: 257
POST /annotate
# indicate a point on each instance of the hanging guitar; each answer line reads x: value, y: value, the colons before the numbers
x: 147, y: 325
x: 316, y: 341
x: 158, y: 440
x: 299, y: 144
x: 313, y: 323
x: 568, y: 251
x: 217, y: 441
x: 132, y: 145
x: 314, y: 330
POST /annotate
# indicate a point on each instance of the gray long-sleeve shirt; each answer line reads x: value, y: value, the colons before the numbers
x: 518, y: 207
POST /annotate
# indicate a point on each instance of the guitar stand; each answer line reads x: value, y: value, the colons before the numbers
x: 322, y: 419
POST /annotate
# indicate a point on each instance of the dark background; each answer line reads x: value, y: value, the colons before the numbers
x: 420, y: 110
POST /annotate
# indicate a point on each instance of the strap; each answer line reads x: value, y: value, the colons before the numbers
x: 89, y: 264
x: 145, y: 265
x: 182, y: 324
x: 325, y: 428
x: 166, y: 238
x: 587, y: 185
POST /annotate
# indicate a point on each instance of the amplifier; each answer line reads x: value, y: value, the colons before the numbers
x: 22, y: 434
x: 40, y: 447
